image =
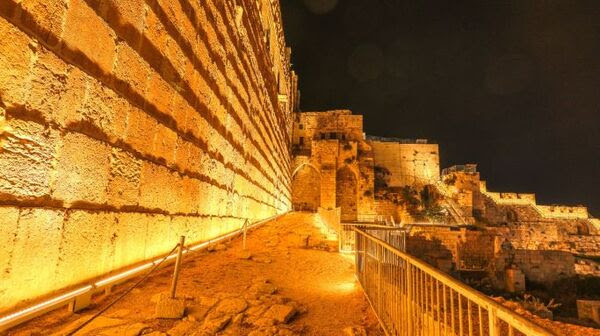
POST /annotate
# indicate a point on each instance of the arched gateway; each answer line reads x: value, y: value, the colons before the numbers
x: 306, y: 189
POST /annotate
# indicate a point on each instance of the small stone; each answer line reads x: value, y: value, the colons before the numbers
x: 256, y: 310
x: 262, y: 259
x: 183, y: 328
x: 261, y: 333
x: 300, y: 309
x: 166, y: 307
x: 232, y: 306
x: 208, y: 301
x: 273, y: 299
x: 263, y: 322
x: 237, y: 319
x: 197, y: 313
x: 355, y: 331
x: 262, y: 288
x: 215, y: 325
x: 281, y: 313
x: 156, y: 333
x: 245, y: 254
x: 285, y: 332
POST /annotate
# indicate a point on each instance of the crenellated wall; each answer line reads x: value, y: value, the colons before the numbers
x: 124, y: 124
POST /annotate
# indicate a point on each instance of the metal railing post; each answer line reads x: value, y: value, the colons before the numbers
x: 493, y: 322
x: 177, y: 266
x: 409, y: 298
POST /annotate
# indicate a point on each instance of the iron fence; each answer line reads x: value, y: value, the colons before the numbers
x: 412, y: 298
x: 394, y: 235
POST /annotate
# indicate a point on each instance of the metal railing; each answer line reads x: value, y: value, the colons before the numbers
x: 394, y: 235
x: 13, y: 318
x: 412, y: 298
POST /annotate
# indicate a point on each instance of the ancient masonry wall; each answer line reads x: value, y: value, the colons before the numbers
x: 124, y: 124
x: 409, y: 164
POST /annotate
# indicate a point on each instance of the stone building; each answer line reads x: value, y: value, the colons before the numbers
x: 335, y: 165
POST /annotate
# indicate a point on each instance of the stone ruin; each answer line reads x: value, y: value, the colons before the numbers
x: 502, y: 242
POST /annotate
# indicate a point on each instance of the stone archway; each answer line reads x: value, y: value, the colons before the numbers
x: 306, y: 189
x: 346, y: 193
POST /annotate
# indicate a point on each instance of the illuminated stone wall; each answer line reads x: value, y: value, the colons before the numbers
x: 124, y: 124
x: 408, y: 163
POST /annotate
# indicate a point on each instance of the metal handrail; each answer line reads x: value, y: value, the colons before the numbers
x: 405, y: 294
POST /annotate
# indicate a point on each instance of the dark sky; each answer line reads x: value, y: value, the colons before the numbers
x: 513, y: 86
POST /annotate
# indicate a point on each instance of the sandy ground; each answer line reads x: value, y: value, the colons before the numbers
x: 292, y: 252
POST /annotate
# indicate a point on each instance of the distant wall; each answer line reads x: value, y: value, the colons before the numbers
x: 409, y: 164
x: 561, y: 211
x: 320, y: 125
x: 124, y: 124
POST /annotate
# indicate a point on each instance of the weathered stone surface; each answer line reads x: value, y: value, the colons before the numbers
x: 231, y: 306
x: 83, y: 170
x: 281, y: 313
x: 86, y: 32
x: 31, y: 146
x: 184, y: 328
x: 15, y: 58
x: 212, y: 326
x: 259, y: 289
x: 166, y: 307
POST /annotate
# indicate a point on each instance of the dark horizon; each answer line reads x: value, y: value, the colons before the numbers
x: 509, y: 85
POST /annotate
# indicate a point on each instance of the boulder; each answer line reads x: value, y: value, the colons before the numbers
x: 281, y: 313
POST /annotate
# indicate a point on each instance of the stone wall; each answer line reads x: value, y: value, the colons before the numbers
x: 125, y: 124
x: 409, y: 164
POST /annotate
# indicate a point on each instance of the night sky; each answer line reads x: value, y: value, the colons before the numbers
x: 513, y: 86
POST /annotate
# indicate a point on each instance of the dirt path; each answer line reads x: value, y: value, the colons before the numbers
x: 291, y: 254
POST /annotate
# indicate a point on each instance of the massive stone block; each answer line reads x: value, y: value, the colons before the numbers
x: 36, y: 252
x: 82, y: 171
x: 88, y: 34
x: 15, y: 60
x: 26, y: 160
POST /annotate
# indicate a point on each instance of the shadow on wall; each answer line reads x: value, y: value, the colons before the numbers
x: 475, y: 251
x: 432, y: 251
